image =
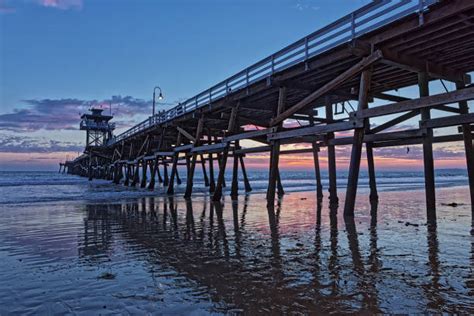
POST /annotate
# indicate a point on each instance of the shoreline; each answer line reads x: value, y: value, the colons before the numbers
x: 363, y: 195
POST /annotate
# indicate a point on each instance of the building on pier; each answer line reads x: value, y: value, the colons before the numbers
x: 98, y: 127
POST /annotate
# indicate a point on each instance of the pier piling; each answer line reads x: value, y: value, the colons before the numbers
x: 275, y: 104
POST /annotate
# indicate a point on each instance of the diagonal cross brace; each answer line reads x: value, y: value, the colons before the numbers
x: 342, y: 78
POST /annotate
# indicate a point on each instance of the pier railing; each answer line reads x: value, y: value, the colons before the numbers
x: 368, y: 18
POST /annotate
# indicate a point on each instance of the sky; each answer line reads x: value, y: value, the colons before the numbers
x: 59, y: 57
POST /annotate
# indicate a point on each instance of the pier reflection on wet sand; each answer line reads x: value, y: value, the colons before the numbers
x: 297, y: 256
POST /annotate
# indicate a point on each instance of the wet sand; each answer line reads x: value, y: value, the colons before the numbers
x: 167, y: 255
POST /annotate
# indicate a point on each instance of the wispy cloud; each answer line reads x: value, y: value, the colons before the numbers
x: 63, y: 114
x: 303, y: 5
x: 26, y: 144
x: 61, y: 4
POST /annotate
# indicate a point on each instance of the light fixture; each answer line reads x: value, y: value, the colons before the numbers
x: 160, y: 97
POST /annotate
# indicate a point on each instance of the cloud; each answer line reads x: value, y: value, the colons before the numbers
x: 61, y: 4
x: 25, y: 144
x: 63, y: 114
x: 302, y: 5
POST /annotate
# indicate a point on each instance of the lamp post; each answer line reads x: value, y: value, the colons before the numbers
x: 160, y: 97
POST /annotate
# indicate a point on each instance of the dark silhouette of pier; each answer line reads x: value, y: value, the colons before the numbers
x: 383, y: 46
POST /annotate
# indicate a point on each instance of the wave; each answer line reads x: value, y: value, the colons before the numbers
x: 33, y: 187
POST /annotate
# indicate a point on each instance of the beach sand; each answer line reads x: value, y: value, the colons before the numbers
x: 167, y: 255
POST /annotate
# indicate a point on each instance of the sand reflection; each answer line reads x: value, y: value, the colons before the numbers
x: 296, y: 256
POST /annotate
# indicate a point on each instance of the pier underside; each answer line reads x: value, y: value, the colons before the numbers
x: 301, y: 104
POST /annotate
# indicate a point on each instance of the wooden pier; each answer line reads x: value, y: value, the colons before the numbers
x: 384, y: 46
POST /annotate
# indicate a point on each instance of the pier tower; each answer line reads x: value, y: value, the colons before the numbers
x: 97, y: 127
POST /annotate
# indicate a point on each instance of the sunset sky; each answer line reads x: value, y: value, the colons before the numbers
x: 59, y: 57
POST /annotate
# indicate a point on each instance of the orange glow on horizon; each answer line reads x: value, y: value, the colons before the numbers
x: 50, y: 161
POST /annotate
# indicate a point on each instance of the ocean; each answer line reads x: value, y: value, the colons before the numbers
x: 73, y: 246
x: 28, y: 187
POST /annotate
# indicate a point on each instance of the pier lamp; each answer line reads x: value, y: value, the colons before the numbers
x: 160, y: 97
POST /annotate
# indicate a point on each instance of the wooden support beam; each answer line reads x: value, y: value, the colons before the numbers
x: 155, y: 164
x: 259, y: 149
x: 192, y: 166
x: 145, y: 164
x: 153, y: 168
x: 373, y: 196
x: 211, y: 148
x: 274, y: 172
x: 186, y: 134
x: 328, y: 87
x: 406, y: 134
x: 253, y: 150
x: 249, y: 135
x: 419, y: 141
x: 354, y: 166
x: 248, y: 188
x: 317, y: 170
x: 158, y: 173
x: 144, y: 144
x: 127, y: 175
x: 412, y: 63
x: 395, y: 121
x: 136, y: 174
x: 178, y: 179
x: 219, y: 162
x: 428, y: 161
x: 469, y: 149
x: 333, y: 199
x: 423, y: 102
x: 144, y: 177
x: 446, y: 108
x: 117, y: 168
x: 166, y: 179
x: 220, y: 179
x: 204, y: 172
x: 316, y: 130
x: 164, y: 153
x: 390, y: 97
x: 212, y: 183
x: 280, y: 190
x: 174, y: 167
x: 234, y: 190
x: 183, y: 148
x: 454, y: 120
